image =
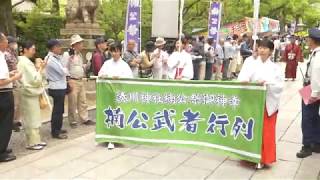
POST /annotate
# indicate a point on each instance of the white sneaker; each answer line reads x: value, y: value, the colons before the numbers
x: 110, y: 146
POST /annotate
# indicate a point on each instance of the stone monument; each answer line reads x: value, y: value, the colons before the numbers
x: 81, y: 19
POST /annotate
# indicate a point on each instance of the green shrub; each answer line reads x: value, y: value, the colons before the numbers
x: 39, y: 28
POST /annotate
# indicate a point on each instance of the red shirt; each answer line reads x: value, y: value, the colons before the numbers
x: 97, y: 61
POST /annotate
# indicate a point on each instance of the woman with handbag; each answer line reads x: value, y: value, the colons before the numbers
x: 31, y: 89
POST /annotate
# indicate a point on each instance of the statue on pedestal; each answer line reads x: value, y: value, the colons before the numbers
x: 82, y: 11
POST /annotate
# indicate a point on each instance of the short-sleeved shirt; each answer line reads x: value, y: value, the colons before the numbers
x: 4, y: 71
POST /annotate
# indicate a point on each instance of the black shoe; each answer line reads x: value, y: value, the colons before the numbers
x: 63, y: 131
x: 17, y: 126
x: 89, y: 123
x: 305, y: 152
x: 60, y: 136
x: 7, y: 157
x: 316, y: 148
x: 9, y: 151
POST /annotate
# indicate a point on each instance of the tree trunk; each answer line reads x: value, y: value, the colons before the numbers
x: 55, y: 7
x: 6, y: 19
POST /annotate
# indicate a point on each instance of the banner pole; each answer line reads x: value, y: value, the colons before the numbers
x: 256, y: 10
x: 181, y: 22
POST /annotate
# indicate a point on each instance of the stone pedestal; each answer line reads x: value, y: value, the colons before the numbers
x: 89, y: 32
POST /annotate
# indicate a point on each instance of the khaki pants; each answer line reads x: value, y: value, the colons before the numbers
x: 202, y: 70
x: 33, y: 136
x: 218, y: 73
x: 77, y: 101
x: 232, y: 67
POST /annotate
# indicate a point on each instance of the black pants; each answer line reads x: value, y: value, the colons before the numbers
x: 310, y: 124
x: 208, y: 71
x: 58, y: 110
x: 226, y: 64
x: 196, y: 68
x: 6, y: 119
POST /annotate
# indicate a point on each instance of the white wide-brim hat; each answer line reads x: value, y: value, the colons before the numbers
x: 160, y: 42
x: 75, y: 39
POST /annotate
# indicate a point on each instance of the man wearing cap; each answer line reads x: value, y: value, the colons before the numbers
x: 107, y: 52
x: 229, y: 53
x: 245, y: 49
x: 160, y: 59
x: 77, y: 97
x: 132, y: 58
x: 98, y: 57
x: 57, y: 77
x: 292, y: 55
x: 310, y: 111
x: 11, y: 56
x: 6, y: 102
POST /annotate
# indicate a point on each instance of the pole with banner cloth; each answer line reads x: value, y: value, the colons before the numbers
x: 133, y: 24
x: 181, y: 21
x: 214, y: 21
x: 256, y: 22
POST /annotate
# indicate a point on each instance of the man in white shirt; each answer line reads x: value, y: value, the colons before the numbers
x: 6, y: 102
x: 160, y: 58
x: 116, y: 67
x: 219, y: 52
x: 209, y: 54
x: 229, y: 52
x: 180, y: 65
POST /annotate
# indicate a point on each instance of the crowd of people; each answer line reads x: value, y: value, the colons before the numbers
x: 233, y: 57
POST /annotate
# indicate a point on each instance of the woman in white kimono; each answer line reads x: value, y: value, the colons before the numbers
x: 115, y: 68
x: 180, y: 63
x: 31, y: 89
x: 262, y: 70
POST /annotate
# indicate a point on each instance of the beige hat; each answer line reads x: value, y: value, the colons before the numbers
x: 160, y: 41
x: 75, y: 39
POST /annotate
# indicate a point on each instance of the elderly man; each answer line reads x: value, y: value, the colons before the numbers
x: 11, y: 56
x: 132, y: 58
x: 6, y: 102
x: 160, y: 58
x: 77, y: 100
x: 219, y: 59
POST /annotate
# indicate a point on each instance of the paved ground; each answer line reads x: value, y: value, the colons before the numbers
x: 81, y: 158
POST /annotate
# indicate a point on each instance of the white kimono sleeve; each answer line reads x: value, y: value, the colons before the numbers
x: 274, y: 90
x: 246, y: 71
x: 103, y: 71
x: 127, y: 72
x: 187, y: 72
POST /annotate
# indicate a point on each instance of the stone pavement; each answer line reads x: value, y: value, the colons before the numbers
x: 82, y: 158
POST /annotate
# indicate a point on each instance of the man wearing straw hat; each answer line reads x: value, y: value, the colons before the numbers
x: 77, y: 97
x: 160, y: 58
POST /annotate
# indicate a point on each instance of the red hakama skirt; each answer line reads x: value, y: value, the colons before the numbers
x: 269, y: 138
x: 291, y: 69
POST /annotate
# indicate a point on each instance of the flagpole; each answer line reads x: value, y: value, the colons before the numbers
x: 256, y: 7
x: 181, y: 22
x: 140, y: 6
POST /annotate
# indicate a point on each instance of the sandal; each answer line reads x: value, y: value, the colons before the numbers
x: 43, y: 144
x: 35, y: 147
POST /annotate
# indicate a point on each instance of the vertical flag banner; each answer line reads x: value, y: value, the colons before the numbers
x: 133, y: 24
x: 256, y: 23
x: 214, y: 20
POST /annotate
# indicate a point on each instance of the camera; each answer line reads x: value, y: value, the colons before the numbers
x: 71, y: 52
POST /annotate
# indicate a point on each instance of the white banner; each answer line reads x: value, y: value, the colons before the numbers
x: 165, y: 18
